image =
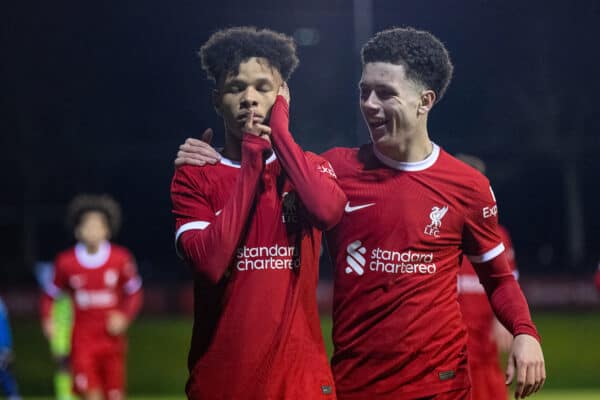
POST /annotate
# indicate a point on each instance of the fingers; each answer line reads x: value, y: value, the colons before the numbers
x: 204, y: 151
x: 192, y: 159
x: 530, y: 378
x: 196, y: 152
x: 543, y: 372
x: 521, y: 380
x: 263, y: 129
x: 207, y: 136
x: 248, y: 124
x: 284, y: 91
x: 510, y: 370
x: 540, y: 376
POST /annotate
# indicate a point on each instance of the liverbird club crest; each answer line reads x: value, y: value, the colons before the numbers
x: 436, y: 215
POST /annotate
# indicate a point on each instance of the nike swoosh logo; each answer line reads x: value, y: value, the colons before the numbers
x: 350, y: 209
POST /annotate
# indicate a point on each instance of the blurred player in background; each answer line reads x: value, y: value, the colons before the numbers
x: 249, y: 229
x: 57, y: 329
x: 8, y: 384
x: 487, y: 336
x: 597, y: 278
x: 106, y: 291
x: 413, y: 212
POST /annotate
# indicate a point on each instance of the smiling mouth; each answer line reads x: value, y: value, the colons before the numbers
x: 377, y: 124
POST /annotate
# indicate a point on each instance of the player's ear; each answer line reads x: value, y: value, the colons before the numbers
x: 216, y: 100
x: 427, y: 100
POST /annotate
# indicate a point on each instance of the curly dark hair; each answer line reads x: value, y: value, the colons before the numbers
x: 424, y: 56
x: 94, y: 202
x: 226, y: 49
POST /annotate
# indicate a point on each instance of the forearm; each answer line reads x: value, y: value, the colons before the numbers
x: 210, y: 250
x: 321, y: 196
x: 506, y: 297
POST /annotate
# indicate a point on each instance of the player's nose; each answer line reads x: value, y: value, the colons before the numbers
x: 249, y: 97
x: 371, y: 102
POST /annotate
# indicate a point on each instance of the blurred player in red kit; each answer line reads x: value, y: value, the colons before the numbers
x: 597, y: 278
x: 101, y: 278
x: 413, y: 212
x: 486, y: 334
x: 249, y: 229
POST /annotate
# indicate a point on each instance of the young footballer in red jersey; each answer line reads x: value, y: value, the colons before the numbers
x: 102, y: 280
x: 486, y: 335
x: 249, y: 229
x: 413, y: 213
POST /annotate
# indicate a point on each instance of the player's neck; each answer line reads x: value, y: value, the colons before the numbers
x: 92, y: 248
x: 233, y: 147
x: 412, y: 149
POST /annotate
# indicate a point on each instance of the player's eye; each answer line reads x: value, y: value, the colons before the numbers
x: 265, y: 88
x: 385, y: 94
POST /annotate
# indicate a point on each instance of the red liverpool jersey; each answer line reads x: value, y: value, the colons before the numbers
x: 398, y: 332
x: 98, y: 283
x: 476, y: 309
x: 256, y: 331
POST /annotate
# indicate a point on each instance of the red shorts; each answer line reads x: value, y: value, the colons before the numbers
x: 487, y: 382
x: 98, y: 368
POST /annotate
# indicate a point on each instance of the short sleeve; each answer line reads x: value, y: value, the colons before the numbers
x: 129, y: 277
x: 481, y: 237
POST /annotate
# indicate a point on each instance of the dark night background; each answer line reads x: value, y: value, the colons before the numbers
x: 97, y: 96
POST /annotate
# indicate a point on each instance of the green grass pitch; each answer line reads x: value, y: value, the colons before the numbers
x: 158, y: 351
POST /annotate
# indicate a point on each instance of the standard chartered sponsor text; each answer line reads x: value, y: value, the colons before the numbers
x: 264, y: 258
x: 406, y: 262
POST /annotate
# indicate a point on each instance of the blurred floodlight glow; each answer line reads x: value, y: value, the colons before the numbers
x: 307, y: 36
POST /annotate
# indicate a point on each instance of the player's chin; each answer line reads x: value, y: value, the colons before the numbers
x: 380, y: 138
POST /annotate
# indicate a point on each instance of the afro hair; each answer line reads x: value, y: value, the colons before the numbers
x: 92, y: 202
x: 226, y: 49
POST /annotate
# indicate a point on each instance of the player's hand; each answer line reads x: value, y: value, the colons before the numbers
x: 284, y: 91
x: 117, y: 323
x: 197, y: 152
x: 501, y: 336
x: 526, y: 363
x: 48, y: 328
x: 254, y: 126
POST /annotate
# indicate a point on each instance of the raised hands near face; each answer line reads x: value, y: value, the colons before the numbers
x: 284, y: 91
x: 199, y: 152
x: 254, y: 126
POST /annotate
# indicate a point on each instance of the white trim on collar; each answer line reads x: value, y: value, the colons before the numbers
x: 409, y: 166
x: 237, y: 164
x: 95, y: 260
